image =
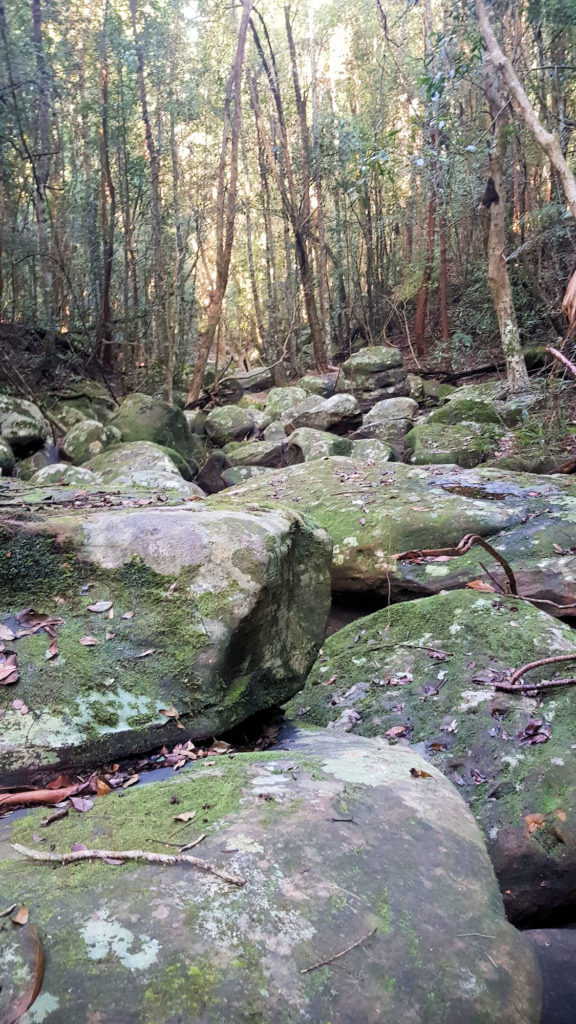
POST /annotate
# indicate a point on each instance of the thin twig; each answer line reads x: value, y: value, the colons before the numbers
x: 416, y: 647
x: 153, y: 858
x: 546, y: 684
x: 558, y: 355
x: 194, y: 842
x: 536, y: 664
x: 331, y: 959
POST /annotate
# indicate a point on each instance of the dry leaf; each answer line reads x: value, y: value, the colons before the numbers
x: 151, y: 650
x: 128, y: 615
x: 170, y: 712
x: 533, y: 823
x: 82, y: 803
x: 109, y: 635
x: 417, y: 773
x: 52, y: 651
x: 22, y: 914
x: 398, y: 730
x: 34, y: 978
x: 185, y: 816
x: 100, y: 606
x: 561, y: 815
x: 6, y: 633
x: 130, y: 782
x: 482, y: 586
x: 88, y: 641
x: 102, y: 788
x: 8, y: 668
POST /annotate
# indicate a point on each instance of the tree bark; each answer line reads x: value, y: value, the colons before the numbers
x: 498, y: 278
x: 108, y: 192
x: 225, y: 204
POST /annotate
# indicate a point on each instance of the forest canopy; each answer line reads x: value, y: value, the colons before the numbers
x: 184, y: 181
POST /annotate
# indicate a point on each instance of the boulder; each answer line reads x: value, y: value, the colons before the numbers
x: 216, y: 614
x: 466, y: 410
x: 338, y: 414
x: 228, y: 423
x: 28, y: 467
x: 260, y: 418
x: 282, y: 402
x: 373, y: 512
x: 423, y: 672
x: 373, y: 359
x: 305, y: 445
x: 368, y: 896
x: 142, y: 464
x: 6, y: 458
x: 259, y: 378
x: 512, y: 407
x: 87, y: 439
x: 144, y: 418
x: 462, y: 444
x: 321, y: 386
x: 88, y: 398
x: 275, y: 431
x: 237, y: 475
x: 66, y: 415
x: 391, y: 409
x: 416, y: 385
x: 258, y: 453
x: 65, y: 475
x: 22, y: 425
x: 371, y: 449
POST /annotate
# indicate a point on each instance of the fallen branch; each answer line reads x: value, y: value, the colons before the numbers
x: 331, y: 959
x: 37, y: 796
x: 463, y: 548
x: 152, y: 858
x: 537, y: 664
x: 558, y: 355
x: 546, y: 684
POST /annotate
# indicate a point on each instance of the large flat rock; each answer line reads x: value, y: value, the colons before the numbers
x: 423, y: 673
x: 343, y: 851
x: 217, y: 614
x: 375, y: 511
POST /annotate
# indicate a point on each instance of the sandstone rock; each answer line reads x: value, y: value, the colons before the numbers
x: 143, y: 418
x: 142, y: 464
x: 338, y: 414
x: 87, y: 439
x: 6, y: 457
x: 282, y: 401
x: 176, y: 944
x: 305, y: 445
x: 22, y: 425
x: 65, y: 475
x: 228, y: 423
x: 462, y: 444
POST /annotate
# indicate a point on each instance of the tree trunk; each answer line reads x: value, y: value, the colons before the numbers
x: 225, y: 204
x: 108, y: 193
x: 498, y: 278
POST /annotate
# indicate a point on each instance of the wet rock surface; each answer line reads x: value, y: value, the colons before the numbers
x: 336, y: 842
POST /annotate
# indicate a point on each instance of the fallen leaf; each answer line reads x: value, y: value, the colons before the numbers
x: 36, y: 796
x: 8, y: 668
x: 34, y: 975
x: 88, y: 641
x: 481, y: 585
x: 185, y: 816
x: 21, y: 916
x: 533, y: 823
x: 130, y: 782
x: 417, y: 773
x: 6, y: 633
x: 109, y: 635
x: 128, y: 615
x: 100, y: 606
x: 561, y: 815
x: 102, y: 788
x: 220, y: 747
x: 329, y: 681
x: 60, y: 782
x: 81, y: 803
x: 52, y: 651
x: 77, y: 847
x: 151, y: 650
x: 398, y: 730
x: 170, y: 712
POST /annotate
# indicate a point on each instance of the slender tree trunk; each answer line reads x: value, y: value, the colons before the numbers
x: 108, y: 192
x: 498, y: 278
x: 42, y: 179
x: 422, y: 304
x: 225, y: 203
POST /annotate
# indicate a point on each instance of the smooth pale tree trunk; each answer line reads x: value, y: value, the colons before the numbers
x: 108, y: 201
x: 225, y: 204
x: 498, y: 279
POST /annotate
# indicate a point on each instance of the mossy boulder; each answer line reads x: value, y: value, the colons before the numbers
x: 226, y: 611
x: 22, y: 425
x: 416, y: 385
x: 344, y: 854
x: 237, y: 475
x: 306, y: 444
x: 375, y: 511
x: 283, y: 401
x: 6, y: 457
x: 423, y: 672
x: 88, y: 438
x: 391, y: 409
x: 462, y: 444
x: 466, y: 410
x: 28, y: 467
x: 338, y: 414
x: 371, y: 449
x: 373, y: 359
x: 275, y: 431
x: 321, y: 386
x: 228, y: 423
x: 86, y: 397
x: 258, y: 453
x: 144, y: 418
x: 142, y: 464
x: 65, y: 475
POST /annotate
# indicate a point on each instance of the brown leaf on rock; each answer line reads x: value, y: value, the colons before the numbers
x: 6, y: 633
x: 52, y: 651
x: 185, y: 816
x: 81, y: 803
x: 535, y: 731
x: 88, y: 641
x: 144, y: 654
x: 533, y: 823
x: 417, y: 773
x: 8, y: 668
x: 130, y: 782
x: 102, y: 788
x: 128, y: 615
x: 34, y: 979
x: 398, y: 730
x: 22, y: 915
x: 481, y: 585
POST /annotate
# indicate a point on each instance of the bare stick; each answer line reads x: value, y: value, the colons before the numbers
x: 558, y: 355
x: 536, y: 664
x: 463, y: 548
x: 546, y: 684
x: 331, y: 959
x: 152, y: 858
x: 414, y: 647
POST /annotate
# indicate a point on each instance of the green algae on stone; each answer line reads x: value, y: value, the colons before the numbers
x: 426, y: 667
x: 461, y: 444
x: 175, y: 943
x: 223, y: 603
x: 142, y: 418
